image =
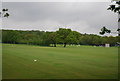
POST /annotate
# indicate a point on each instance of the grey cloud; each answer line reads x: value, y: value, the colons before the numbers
x: 68, y: 11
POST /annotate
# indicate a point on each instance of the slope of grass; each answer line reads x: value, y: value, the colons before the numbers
x: 83, y: 62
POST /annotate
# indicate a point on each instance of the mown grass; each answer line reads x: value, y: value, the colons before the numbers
x: 72, y: 62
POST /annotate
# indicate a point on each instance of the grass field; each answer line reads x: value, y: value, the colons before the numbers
x: 83, y: 62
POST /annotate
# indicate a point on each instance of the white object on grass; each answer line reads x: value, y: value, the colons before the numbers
x: 35, y: 60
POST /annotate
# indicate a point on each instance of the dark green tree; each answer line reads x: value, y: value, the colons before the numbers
x: 42, y: 38
x: 63, y: 34
x: 4, y: 13
x: 105, y: 30
x: 53, y: 38
x: 73, y: 37
x: 116, y: 9
x: 10, y: 36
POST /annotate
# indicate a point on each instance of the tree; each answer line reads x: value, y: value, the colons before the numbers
x: 42, y: 38
x: 116, y: 9
x: 4, y: 13
x: 104, y: 30
x: 10, y: 36
x: 71, y: 39
x: 63, y: 34
x: 76, y: 36
x: 53, y: 38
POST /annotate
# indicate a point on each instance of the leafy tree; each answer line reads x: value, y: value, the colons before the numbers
x: 53, y: 38
x: 71, y: 39
x: 59, y: 37
x: 63, y: 35
x: 10, y: 36
x: 76, y: 36
x: 111, y: 40
x: 116, y: 9
x: 4, y: 13
x: 45, y: 39
x: 104, y: 30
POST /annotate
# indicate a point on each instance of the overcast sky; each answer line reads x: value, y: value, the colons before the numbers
x: 84, y: 17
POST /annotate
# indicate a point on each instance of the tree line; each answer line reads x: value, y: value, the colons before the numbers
x: 62, y: 36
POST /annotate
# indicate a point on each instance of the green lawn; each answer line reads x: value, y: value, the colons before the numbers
x: 72, y: 62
